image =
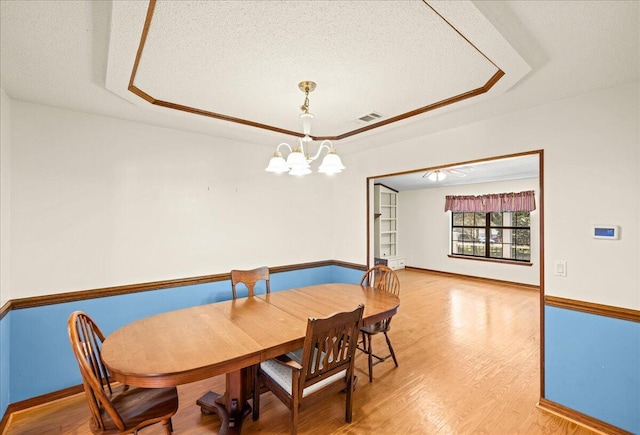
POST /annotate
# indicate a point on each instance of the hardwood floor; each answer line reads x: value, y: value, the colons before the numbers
x: 469, y: 364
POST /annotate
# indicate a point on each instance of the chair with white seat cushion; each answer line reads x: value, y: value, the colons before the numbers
x: 324, y: 365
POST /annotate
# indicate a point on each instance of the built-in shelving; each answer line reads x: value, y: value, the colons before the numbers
x: 386, y: 227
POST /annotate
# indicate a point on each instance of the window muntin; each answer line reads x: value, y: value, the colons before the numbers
x: 509, y: 235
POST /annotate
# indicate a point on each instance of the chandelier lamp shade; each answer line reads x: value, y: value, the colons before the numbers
x: 298, y: 161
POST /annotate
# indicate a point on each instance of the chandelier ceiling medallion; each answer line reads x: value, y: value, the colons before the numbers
x: 298, y: 161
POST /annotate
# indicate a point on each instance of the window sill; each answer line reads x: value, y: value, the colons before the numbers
x: 491, y: 260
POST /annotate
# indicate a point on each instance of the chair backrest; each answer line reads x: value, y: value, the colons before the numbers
x: 249, y: 278
x: 86, y: 342
x: 329, y: 346
x: 382, y: 278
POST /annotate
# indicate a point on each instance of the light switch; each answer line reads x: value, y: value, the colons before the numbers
x: 561, y: 268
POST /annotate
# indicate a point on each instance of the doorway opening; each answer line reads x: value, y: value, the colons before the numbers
x: 406, y: 213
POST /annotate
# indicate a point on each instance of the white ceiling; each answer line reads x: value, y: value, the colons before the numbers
x: 244, y: 59
x: 510, y: 168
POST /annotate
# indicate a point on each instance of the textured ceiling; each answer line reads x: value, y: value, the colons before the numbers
x: 78, y: 55
x: 242, y: 61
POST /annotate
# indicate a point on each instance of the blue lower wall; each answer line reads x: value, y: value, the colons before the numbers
x: 5, y: 354
x: 35, y: 355
x: 592, y: 365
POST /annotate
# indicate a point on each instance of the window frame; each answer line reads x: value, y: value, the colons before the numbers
x: 486, y: 244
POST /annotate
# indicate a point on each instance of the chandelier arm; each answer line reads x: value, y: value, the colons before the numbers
x: 298, y: 161
x: 323, y: 145
x: 285, y: 144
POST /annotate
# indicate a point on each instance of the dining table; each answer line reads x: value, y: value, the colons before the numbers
x: 230, y: 338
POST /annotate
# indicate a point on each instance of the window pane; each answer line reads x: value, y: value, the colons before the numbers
x: 481, y: 235
x: 496, y: 219
x: 462, y: 235
x: 468, y: 219
x: 467, y: 235
x: 495, y: 250
x: 522, y: 237
x: 521, y: 253
x: 468, y: 248
x: 455, y: 234
x: 457, y: 219
x: 522, y: 219
x: 496, y: 236
x: 457, y: 248
x: 508, y: 236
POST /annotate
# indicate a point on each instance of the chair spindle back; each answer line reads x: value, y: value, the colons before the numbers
x: 382, y: 278
x: 86, y: 342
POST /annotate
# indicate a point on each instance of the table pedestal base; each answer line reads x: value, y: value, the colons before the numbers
x: 232, y: 419
x: 231, y: 407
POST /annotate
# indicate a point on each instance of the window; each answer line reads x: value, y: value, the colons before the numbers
x: 496, y: 225
x: 500, y: 235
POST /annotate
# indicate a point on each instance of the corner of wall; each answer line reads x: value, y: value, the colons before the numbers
x: 5, y: 354
x: 5, y: 193
x: 5, y: 321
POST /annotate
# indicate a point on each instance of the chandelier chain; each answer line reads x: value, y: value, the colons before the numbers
x: 305, y: 106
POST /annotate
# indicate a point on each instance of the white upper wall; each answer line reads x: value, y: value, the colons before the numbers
x: 5, y: 196
x: 591, y: 176
x: 424, y: 232
x: 100, y: 202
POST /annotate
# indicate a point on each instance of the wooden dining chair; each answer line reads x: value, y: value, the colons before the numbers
x: 381, y: 278
x: 249, y: 278
x: 121, y: 409
x: 324, y: 365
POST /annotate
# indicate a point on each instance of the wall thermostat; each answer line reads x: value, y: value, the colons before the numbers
x: 608, y: 232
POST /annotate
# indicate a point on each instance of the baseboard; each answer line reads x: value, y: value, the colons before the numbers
x: 579, y: 418
x: 479, y: 278
x: 38, y: 401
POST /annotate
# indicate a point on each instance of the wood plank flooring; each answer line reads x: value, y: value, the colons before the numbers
x: 469, y: 364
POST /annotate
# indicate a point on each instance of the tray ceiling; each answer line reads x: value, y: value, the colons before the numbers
x: 79, y: 55
x: 241, y: 61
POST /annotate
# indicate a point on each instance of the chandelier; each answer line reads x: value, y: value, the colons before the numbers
x: 298, y: 161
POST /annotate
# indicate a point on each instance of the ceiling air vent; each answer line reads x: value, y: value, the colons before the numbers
x: 368, y: 118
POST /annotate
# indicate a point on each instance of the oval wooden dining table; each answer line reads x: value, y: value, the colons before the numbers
x: 230, y: 338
